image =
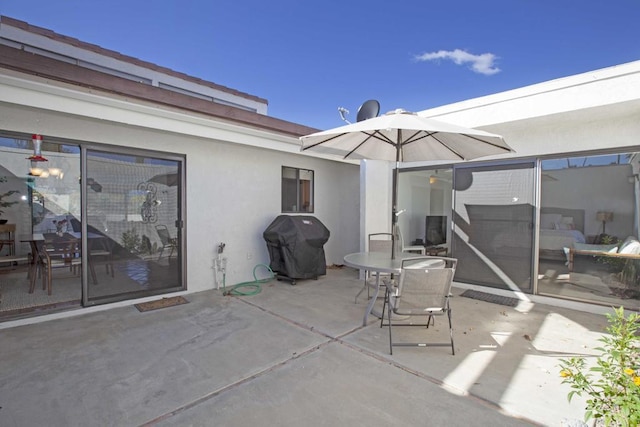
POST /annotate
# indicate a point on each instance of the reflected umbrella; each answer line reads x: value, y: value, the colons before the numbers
x: 168, y: 179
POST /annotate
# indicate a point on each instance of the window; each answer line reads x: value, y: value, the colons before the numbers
x: 589, y: 220
x: 297, y: 190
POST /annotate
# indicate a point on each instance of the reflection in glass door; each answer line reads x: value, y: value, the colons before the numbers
x: 589, y: 248
x: 133, y: 223
x: 493, y: 225
x: 39, y: 252
x: 424, y: 203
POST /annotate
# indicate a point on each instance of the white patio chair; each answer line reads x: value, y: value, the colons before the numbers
x: 422, y: 292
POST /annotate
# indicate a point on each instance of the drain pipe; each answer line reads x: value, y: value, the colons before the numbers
x: 220, y: 267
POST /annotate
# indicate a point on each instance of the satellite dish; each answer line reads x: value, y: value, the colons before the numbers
x: 368, y: 110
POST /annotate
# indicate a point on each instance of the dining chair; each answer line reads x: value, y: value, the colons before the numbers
x: 422, y: 291
x: 62, y: 253
x: 376, y: 242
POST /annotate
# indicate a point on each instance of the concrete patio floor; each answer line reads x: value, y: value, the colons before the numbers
x: 291, y: 355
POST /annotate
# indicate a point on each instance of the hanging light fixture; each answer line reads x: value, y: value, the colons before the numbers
x: 35, y: 170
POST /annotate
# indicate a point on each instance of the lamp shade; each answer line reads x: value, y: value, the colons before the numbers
x: 604, y: 216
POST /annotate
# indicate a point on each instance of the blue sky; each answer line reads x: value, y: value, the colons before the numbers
x: 307, y: 58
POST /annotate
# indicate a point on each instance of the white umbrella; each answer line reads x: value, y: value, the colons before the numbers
x: 401, y: 136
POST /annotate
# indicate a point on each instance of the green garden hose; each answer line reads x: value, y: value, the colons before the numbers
x: 253, y: 287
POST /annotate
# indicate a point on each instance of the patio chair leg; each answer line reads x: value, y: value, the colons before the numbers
x: 384, y: 305
x: 431, y: 320
x: 453, y: 351
x: 389, y: 322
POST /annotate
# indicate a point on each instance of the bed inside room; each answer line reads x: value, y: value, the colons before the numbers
x: 560, y: 228
x: 509, y: 229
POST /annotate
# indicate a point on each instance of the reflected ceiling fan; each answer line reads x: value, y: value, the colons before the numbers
x: 440, y: 176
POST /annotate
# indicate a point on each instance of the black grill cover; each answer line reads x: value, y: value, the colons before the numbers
x: 295, y: 244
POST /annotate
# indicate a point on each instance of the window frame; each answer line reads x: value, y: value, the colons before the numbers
x: 296, y: 184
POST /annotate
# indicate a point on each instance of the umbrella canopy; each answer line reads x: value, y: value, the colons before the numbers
x: 402, y: 136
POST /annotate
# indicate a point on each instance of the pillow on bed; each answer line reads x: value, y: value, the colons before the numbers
x: 563, y: 226
x: 631, y: 245
x: 548, y: 221
x: 565, y: 223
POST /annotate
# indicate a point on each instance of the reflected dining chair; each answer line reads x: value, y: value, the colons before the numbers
x: 420, y: 249
x: 166, y: 240
x: 101, y: 247
x: 62, y: 253
x: 420, y: 291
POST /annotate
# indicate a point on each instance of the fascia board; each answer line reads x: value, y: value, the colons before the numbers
x: 608, y: 86
x: 85, y: 103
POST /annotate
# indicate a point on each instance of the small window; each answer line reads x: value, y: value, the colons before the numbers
x: 297, y: 190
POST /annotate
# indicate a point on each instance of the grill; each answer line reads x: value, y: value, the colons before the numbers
x: 296, y: 247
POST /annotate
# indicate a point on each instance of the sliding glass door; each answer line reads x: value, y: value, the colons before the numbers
x: 424, y: 203
x: 133, y: 224
x: 493, y: 225
x: 40, y: 197
x: 589, y: 248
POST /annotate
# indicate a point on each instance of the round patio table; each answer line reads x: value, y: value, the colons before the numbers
x: 381, y: 262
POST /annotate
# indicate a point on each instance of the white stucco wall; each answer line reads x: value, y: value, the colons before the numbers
x: 375, y: 199
x: 233, y: 173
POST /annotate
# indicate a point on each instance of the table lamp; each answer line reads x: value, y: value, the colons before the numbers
x: 605, y: 217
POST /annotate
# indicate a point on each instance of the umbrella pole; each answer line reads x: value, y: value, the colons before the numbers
x: 394, y: 197
x: 394, y: 220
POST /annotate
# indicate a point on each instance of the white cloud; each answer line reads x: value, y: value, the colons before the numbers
x: 482, y: 64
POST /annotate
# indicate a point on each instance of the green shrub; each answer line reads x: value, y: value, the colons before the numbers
x: 131, y: 241
x: 613, y: 384
x: 4, y: 203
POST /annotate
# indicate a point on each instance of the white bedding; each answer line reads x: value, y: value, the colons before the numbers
x: 549, y: 239
x: 558, y: 239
